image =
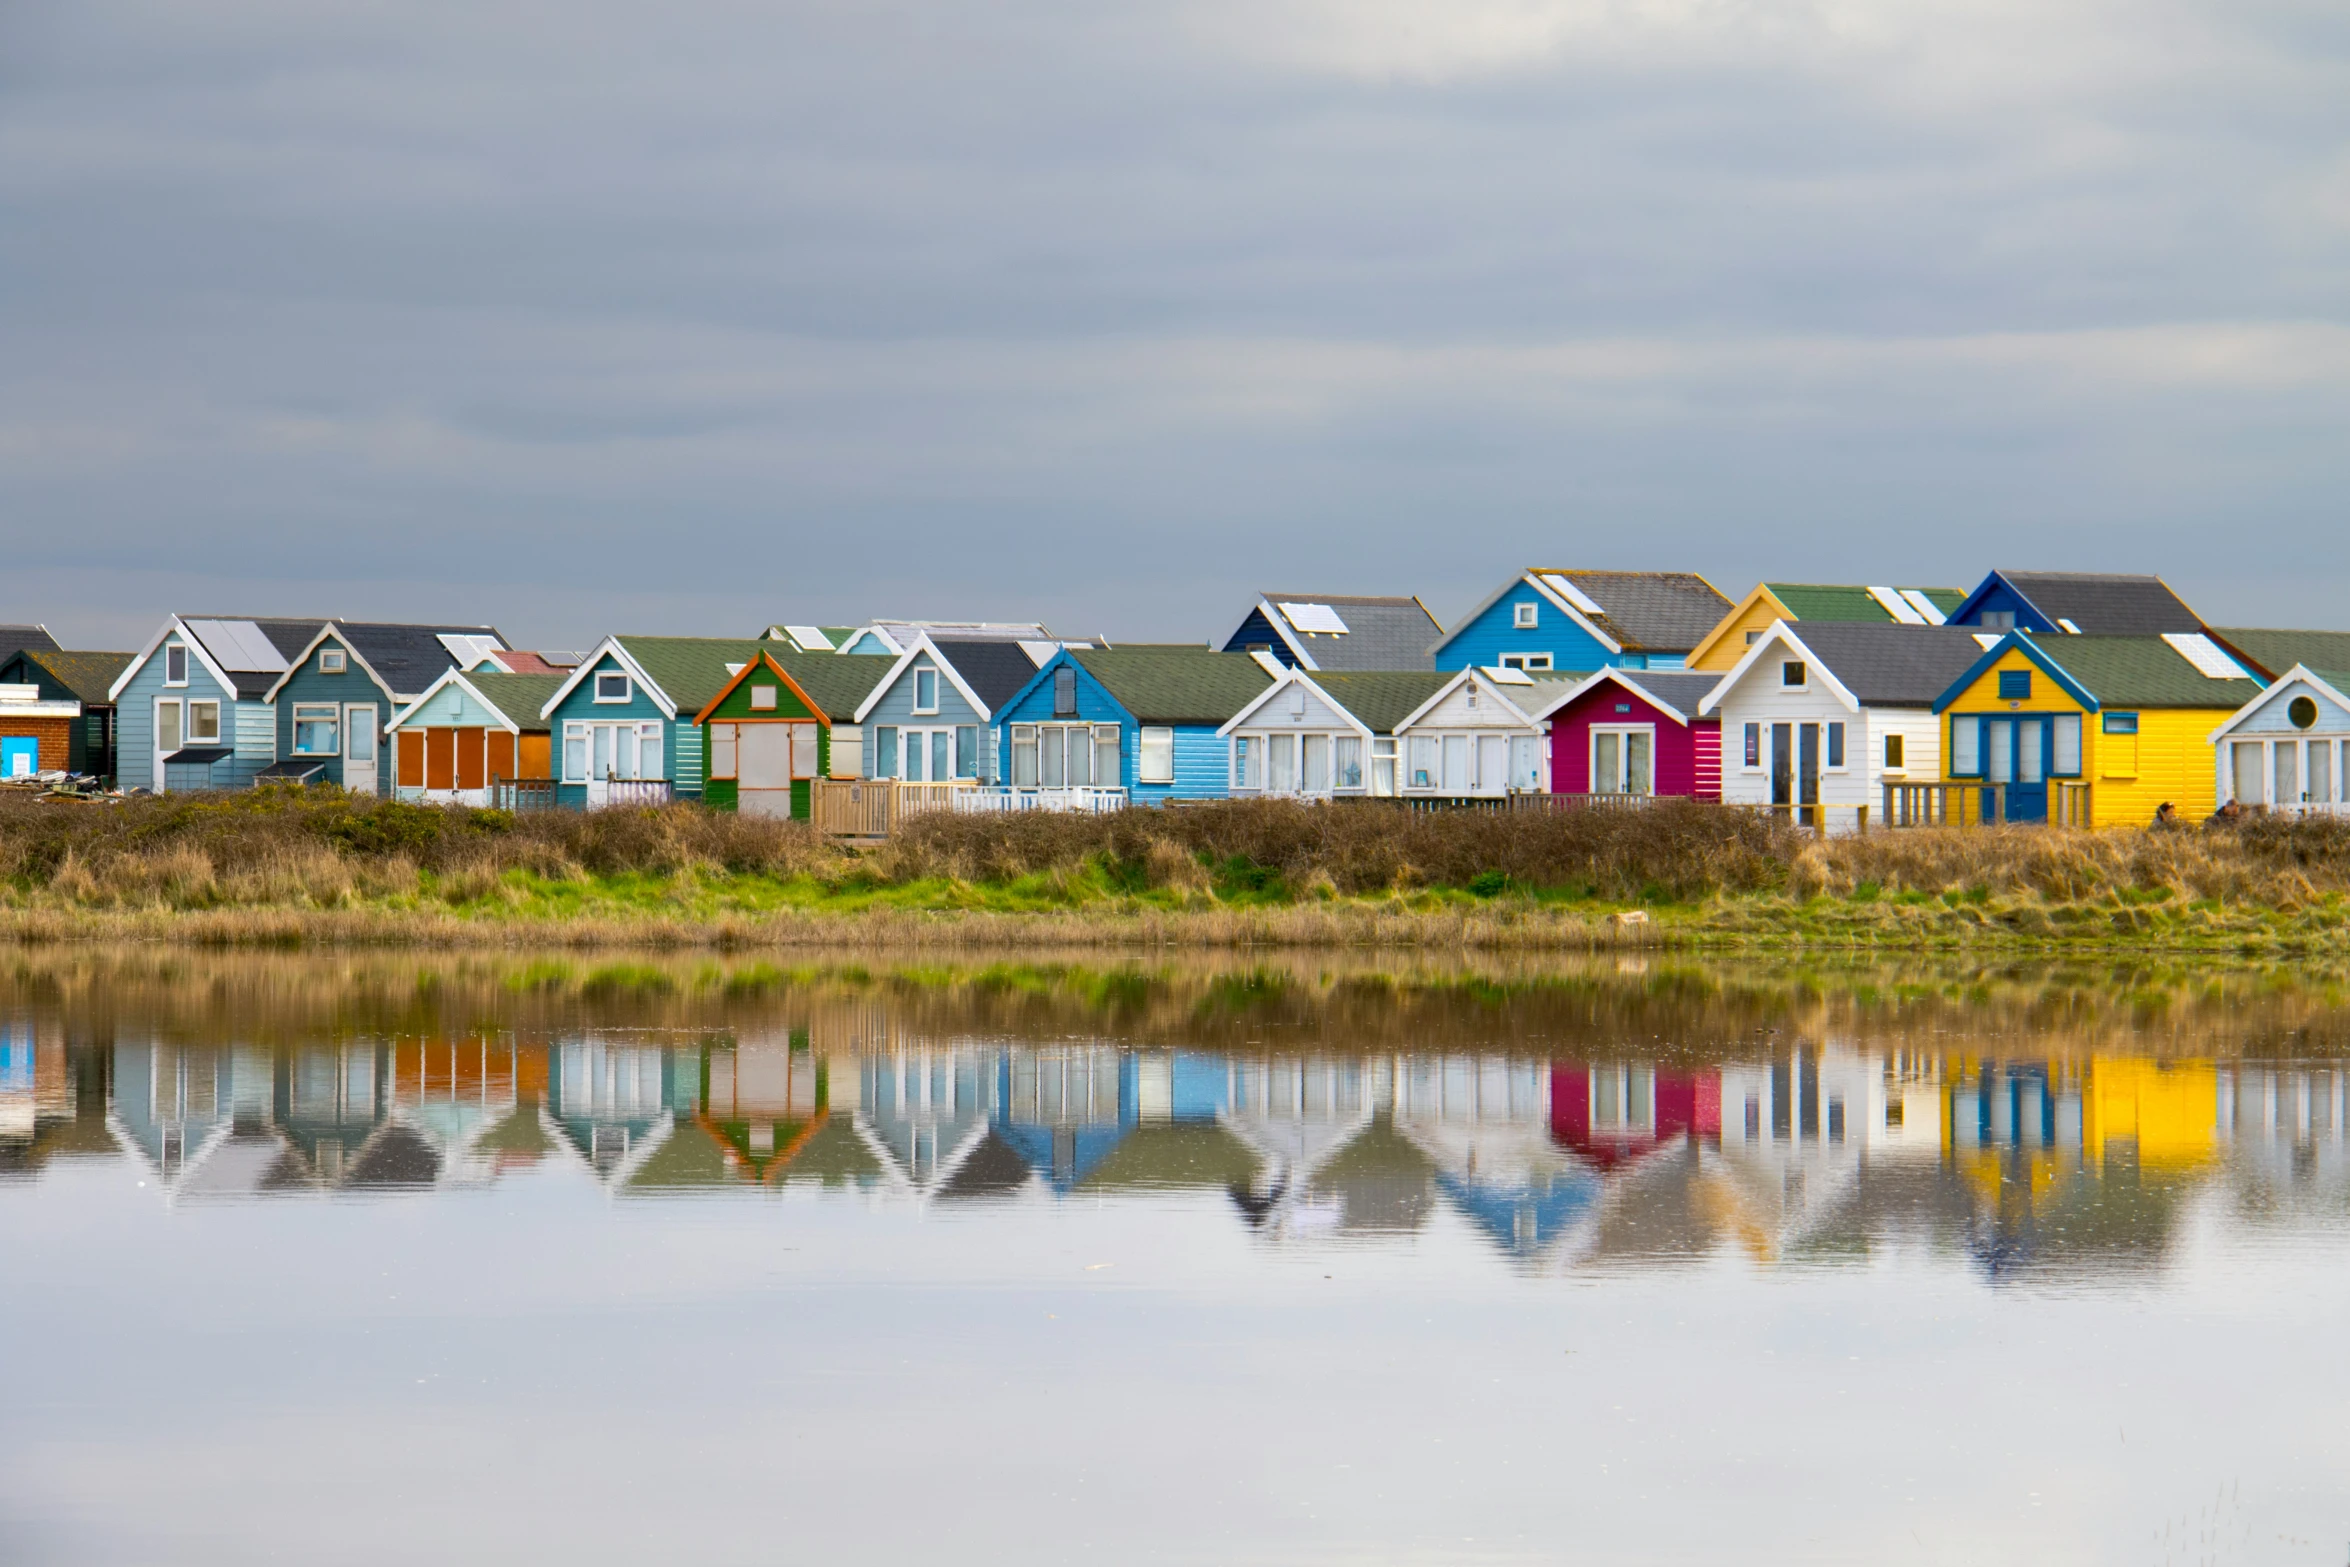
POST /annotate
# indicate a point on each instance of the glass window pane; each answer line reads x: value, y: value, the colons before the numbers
x: 1314, y: 765
x: 885, y: 752
x: 1835, y: 745
x: 1383, y: 775
x: 2251, y: 764
x: 940, y: 765
x: 648, y: 752
x: 1347, y: 763
x: 1421, y: 774
x: 1607, y: 764
x: 2066, y: 763
x: 1050, y: 752
x: 167, y: 728
x: 1024, y: 758
x: 1999, y: 740
x: 1244, y: 762
x: 2321, y: 771
x: 2029, y: 765
x: 1107, y: 772
x: 575, y: 753
x: 1637, y: 777
x: 1156, y: 764
x: 1456, y: 764
x: 2288, y: 773
x: 1281, y: 763
x: 1966, y: 747
x: 967, y: 751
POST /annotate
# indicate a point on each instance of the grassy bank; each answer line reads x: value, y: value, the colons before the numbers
x: 301, y: 867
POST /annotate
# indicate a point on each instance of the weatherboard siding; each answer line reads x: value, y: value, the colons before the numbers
x: 895, y: 710
x: 1742, y: 633
x: 1257, y: 631
x: 580, y: 706
x: 351, y: 688
x: 135, y: 719
x: 1686, y: 758
x: 2270, y: 718
x: 1483, y: 641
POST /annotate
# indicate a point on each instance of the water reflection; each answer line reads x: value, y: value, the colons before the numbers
x: 1814, y: 1151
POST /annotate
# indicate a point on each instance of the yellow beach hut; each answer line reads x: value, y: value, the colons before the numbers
x: 2095, y: 731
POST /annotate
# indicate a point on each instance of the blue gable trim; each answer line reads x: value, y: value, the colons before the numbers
x: 2031, y: 649
x: 1996, y: 593
x: 1483, y: 638
x: 1257, y: 631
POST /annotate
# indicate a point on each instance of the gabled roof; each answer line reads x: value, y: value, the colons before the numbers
x: 1678, y: 692
x: 765, y: 660
x: 1382, y: 633
x: 89, y: 676
x: 836, y: 687
x: 17, y: 638
x: 812, y: 638
x: 2332, y: 683
x: 1509, y: 696
x: 1885, y: 665
x: 2103, y: 672
x: 1628, y: 611
x: 404, y: 659
x: 994, y: 671
x: 247, y: 655
x: 1381, y: 699
x: 2096, y: 603
x: 1174, y: 685
x: 683, y: 673
x: 2276, y: 651
x: 515, y: 698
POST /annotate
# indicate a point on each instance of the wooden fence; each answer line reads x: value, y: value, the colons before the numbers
x: 868, y: 810
x: 1942, y: 804
x: 522, y: 794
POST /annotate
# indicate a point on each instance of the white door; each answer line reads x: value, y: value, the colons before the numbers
x: 167, y: 734
x: 1493, y: 763
x: 763, y: 769
x: 359, y: 747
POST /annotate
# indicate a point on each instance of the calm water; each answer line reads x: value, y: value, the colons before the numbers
x: 389, y: 1260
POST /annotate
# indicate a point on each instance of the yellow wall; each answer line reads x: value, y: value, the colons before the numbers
x: 2172, y: 1110
x: 1756, y: 614
x: 2169, y: 758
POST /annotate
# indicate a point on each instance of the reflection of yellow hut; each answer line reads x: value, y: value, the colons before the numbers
x: 2013, y: 1129
x: 2169, y: 1109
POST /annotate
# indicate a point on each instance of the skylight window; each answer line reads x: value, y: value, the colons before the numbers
x: 1574, y: 595
x: 1320, y: 619
x: 2205, y: 655
x: 2070, y: 629
x: 809, y: 639
x: 1927, y: 610
x: 1892, y: 603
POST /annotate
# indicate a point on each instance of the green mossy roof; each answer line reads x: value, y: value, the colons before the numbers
x: 1179, y: 1153
x: 1843, y: 601
x: 2281, y: 650
x: 1381, y: 699
x: 519, y: 697
x: 89, y: 676
x: 837, y: 683
x: 691, y: 670
x: 2128, y: 672
x: 1175, y: 685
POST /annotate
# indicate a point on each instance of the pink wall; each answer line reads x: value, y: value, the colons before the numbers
x: 1688, y: 758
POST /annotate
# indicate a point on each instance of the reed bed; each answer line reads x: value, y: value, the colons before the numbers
x: 302, y: 867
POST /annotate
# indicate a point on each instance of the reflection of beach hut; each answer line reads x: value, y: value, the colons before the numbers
x: 613, y: 1101
x: 1615, y: 1113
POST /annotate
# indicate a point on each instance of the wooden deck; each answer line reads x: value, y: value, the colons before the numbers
x: 868, y: 810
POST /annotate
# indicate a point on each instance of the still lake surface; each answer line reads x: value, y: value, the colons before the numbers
x: 382, y: 1258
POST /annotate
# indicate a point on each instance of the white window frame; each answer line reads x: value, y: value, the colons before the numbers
x: 1622, y: 732
x: 763, y: 698
x: 923, y: 672
x: 170, y: 682
x: 1525, y: 661
x: 1525, y: 615
x: 333, y: 661
x: 627, y: 687
x: 1156, y: 740
x: 1024, y: 748
x: 334, y: 714
x: 180, y: 722
x: 188, y: 731
x: 1384, y: 766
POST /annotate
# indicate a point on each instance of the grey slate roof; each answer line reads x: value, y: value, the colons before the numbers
x: 289, y: 637
x: 2103, y: 604
x: 15, y: 638
x: 2278, y: 651
x: 1887, y: 665
x: 1176, y: 685
x: 1682, y: 689
x: 408, y: 658
x: 1381, y: 632
x: 994, y: 670
x: 1651, y: 611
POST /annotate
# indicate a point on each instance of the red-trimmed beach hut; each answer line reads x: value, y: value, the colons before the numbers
x: 1635, y: 732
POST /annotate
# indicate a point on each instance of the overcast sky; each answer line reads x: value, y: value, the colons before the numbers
x: 584, y: 317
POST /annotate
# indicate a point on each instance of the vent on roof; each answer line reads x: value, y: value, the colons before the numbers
x: 1571, y: 593
x: 2070, y: 629
x: 1508, y: 675
x: 1892, y: 603
x: 1989, y: 639
x: 1927, y: 610
x: 467, y: 649
x: 562, y: 659
x: 809, y: 639
x: 2205, y: 655
x: 1320, y: 618
x: 239, y: 646
x: 733, y: 670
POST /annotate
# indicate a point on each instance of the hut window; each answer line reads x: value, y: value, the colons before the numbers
x: 167, y: 728
x: 1752, y: 637
x: 762, y: 699
x: 1106, y: 770
x: 317, y: 729
x: 1154, y: 761
x: 722, y: 750
x: 1893, y: 751
x: 1525, y: 660
x: 2118, y: 723
x: 203, y: 723
x: 967, y: 751
x: 1792, y: 674
x: 1754, y: 745
x: 331, y: 661
x: 611, y: 686
x: 175, y: 664
x: 1383, y: 766
x: 1246, y: 759
x: 1064, y: 692
x: 1996, y: 620
x: 575, y: 753
x: 926, y: 691
x: 2015, y: 685
x: 2065, y: 747
x: 1422, y: 774
x: 2301, y: 712
x: 1966, y: 748
x: 1525, y: 617
x: 1346, y: 763
x: 885, y: 752
x: 1023, y: 756
x: 1835, y: 745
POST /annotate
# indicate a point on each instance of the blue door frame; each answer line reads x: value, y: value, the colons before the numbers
x: 2016, y: 749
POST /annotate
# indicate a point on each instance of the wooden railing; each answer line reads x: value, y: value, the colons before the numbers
x: 629, y: 791
x: 1579, y: 802
x: 1085, y: 799
x: 522, y: 794
x: 2070, y: 804
x: 1942, y: 804
x: 868, y: 810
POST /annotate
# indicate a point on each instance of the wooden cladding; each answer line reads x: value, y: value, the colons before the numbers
x: 447, y: 759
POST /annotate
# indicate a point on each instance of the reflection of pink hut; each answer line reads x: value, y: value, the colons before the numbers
x: 1614, y: 1113
x: 1634, y: 732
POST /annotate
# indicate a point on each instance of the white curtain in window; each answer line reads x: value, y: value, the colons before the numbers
x: 1314, y: 765
x: 1346, y: 766
x: 1421, y: 771
x: 1106, y: 769
x: 1456, y: 764
x: 1280, y: 763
